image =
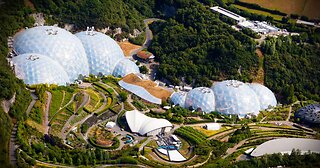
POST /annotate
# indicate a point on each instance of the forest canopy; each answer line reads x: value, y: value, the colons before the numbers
x: 194, y: 47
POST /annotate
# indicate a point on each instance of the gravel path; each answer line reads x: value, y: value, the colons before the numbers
x: 46, y: 115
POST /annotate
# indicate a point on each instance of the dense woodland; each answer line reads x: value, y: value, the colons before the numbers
x: 292, y: 68
x: 194, y: 47
x: 13, y: 16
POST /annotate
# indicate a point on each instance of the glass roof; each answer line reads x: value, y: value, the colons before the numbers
x: 36, y: 69
x: 103, y: 52
x: 56, y: 43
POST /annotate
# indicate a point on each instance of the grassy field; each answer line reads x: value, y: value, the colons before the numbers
x: 309, y: 8
x: 67, y: 98
x: 275, y: 17
x: 56, y: 101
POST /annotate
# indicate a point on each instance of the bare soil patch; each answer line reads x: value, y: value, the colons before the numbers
x: 149, y: 85
x: 128, y: 47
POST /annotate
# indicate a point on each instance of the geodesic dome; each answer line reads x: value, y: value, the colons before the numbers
x: 125, y: 67
x: 265, y: 95
x: 102, y: 51
x: 235, y: 97
x: 309, y: 114
x: 56, y: 43
x: 201, y: 98
x: 36, y: 69
x: 178, y: 98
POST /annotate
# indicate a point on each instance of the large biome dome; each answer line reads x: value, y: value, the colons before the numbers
x: 201, y: 98
x: 235, y: 97
x: 103, y: 52
x: 36, y: 68
x: 56, y: 43
x: 265, y: 96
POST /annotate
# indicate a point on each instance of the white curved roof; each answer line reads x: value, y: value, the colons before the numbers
x: 178, y: 98
x: 235, y: 97
x: 202, y: 98
x: 102, y: 51
x: 36, y: 68
x: 265, y: 95
x: 125, y: 67
x: 143, y: 124
x: 286, y: 145
x: 140, y: 91
x: 56, y: 43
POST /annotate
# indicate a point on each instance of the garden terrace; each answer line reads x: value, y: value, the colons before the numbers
x: 95, y: 102
x: 101, y: 137
x: 191, y: 135
x: 56, y: 102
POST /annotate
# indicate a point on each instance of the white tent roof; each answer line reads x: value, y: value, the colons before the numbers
x: 143, y: 124
x: 286, y: 145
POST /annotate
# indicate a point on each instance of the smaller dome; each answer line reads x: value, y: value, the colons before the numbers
x: 265, y: 95
x: 37, y: 69
x: 201, y: 98
x: 309, y: 114
x: 125, y: 67
x: 178, y: 98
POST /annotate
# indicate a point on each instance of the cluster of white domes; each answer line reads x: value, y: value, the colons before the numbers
x: 87, y: 52
x: 227, y: 97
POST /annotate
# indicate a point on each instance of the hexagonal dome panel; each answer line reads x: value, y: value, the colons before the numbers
x: 201, y: 98
x: 265, y: 95
x: 56, y: 43
x: 235, y: 97
x: 36, y: 69
x: 125, y: 67
x: 102, y: 51
x: 179, y: 98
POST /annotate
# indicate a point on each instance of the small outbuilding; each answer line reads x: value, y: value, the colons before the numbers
x: 110, y: 124
x: 145, y: 55
x: 212, y: 126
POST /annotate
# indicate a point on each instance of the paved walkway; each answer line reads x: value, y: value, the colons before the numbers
x: 13, y: 146
x: 46, y: 113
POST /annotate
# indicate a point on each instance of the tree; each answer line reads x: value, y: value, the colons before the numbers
x: 143, y: 69
x: 123, y: 96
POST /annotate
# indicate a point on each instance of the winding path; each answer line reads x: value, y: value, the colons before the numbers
x: 46, y: 113
x: 149, y: 36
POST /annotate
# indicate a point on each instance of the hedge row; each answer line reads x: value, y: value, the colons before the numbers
x: 191, y: 135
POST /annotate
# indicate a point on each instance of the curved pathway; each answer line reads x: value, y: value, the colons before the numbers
x: 67, y: 125
x: 71, y: 100
x: 46, y: 113
x: 149, y: 36
x: 12, y: 145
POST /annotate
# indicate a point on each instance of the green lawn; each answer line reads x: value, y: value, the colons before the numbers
x: 56, y: 101
x: 36, y: 112
x: 67, y: 98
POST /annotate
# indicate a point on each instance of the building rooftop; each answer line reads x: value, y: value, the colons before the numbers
x: 145, y: 55
x: 286, y: 145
